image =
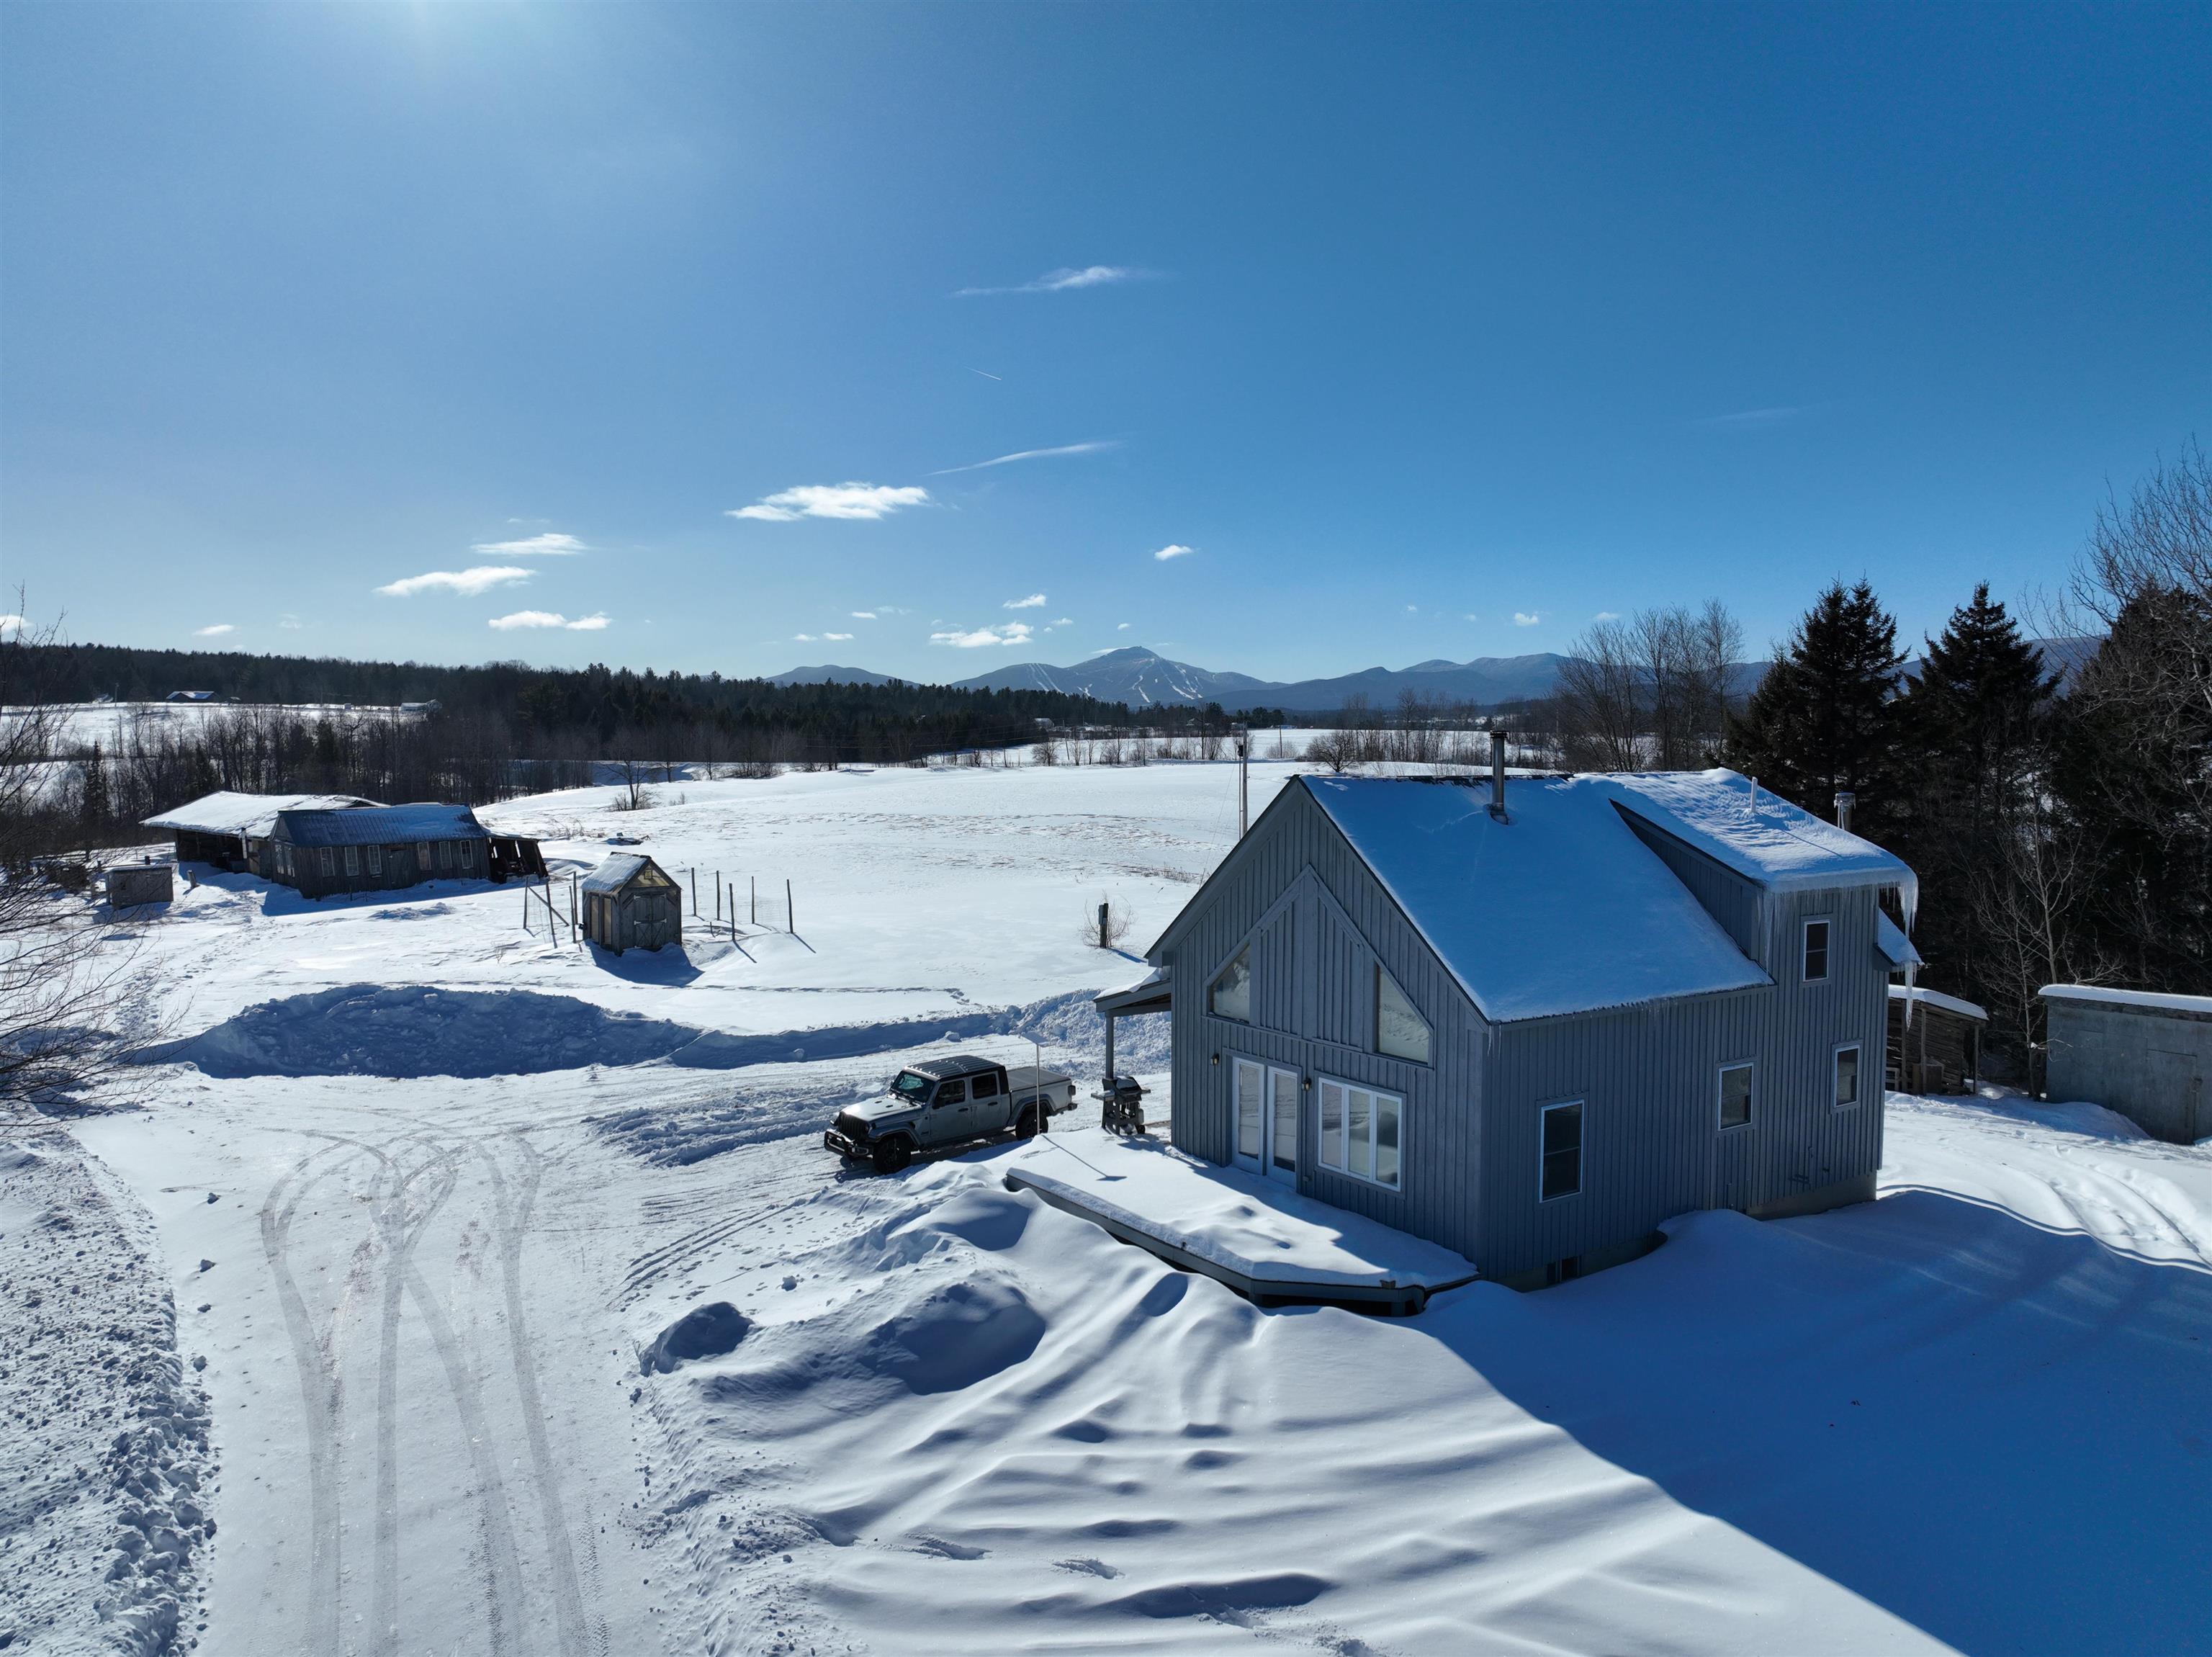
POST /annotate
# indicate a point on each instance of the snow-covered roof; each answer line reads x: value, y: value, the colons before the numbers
x: 1920, y: 998
x: 1754, y: 832
x: 1149, y: 994
x: 1561, y: 909
x: 619, y: 869
x: 2199, y: 1006
x: 380, y: 825
x: 250, y: 815
x: 1896, y: 948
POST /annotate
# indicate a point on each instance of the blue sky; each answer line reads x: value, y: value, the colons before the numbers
x: 1423, y: 331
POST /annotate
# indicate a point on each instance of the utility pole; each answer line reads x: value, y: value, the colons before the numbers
x: 1243, y: 781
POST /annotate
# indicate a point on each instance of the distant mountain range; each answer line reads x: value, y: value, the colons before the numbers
x: 1143, y: 677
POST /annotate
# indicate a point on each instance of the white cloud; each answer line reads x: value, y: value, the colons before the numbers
x: 1012, y: 632
x: 1607, y: 615
x: 536, y: 546
x: 1413, y: 609
x: 869, y: 501
x: 215, y: 631
x: 290, y: 623
x: 1066, y: 278
x: 804, y: 638
x: 1121, y: 627
x: 10, y: 626
x: 835, y: 637
x: 1034, y: 601
x: 1754, y: 419
x: 1033, y: 454
x: 1065, y: 621
x: 548, y: 618
x: 1524, y: 618
x: 467, y: 582
x: 1174, y: 550
x: 1471, y: 616
x: 864, y: 615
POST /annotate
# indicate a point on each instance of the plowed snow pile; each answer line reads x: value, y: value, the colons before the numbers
x: 104, y: 1455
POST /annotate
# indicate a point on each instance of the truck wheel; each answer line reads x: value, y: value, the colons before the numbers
x: 892, y: 1154
x: 1027, y: 1127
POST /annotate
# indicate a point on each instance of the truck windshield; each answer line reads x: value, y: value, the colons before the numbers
x: 913, y: 1087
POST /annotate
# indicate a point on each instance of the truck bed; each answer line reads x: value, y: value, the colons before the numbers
x: 1023, y: 1080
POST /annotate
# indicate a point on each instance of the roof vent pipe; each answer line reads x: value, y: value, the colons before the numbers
x: 1845, y: 801
x: 1498, y: 773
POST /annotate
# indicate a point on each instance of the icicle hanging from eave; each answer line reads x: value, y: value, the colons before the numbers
x: 1908, y: 904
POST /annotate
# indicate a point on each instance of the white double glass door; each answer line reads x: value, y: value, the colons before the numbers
x: 1266, y: 1102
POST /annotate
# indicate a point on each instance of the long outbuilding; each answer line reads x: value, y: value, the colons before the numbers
x: 2145, y: 1055
x: 1531, y: 1021
x: 231, y: 831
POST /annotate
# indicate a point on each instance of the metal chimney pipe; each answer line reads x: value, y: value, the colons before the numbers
x: 1845, y: 801
x: 1498, y: 773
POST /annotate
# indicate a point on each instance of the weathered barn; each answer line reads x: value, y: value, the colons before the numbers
x: 129, y: 885
x: 231, y: 831
x: 1532, y: 1025
x: 1938, y: 1050
x: 2147, y: 1055
x: 377, y: 848
x: 630, y: 902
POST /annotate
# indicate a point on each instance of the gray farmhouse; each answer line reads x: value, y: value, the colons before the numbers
x: 1530, y: 1020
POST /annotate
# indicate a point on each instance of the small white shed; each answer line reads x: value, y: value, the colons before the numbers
x: 2145, y: 1055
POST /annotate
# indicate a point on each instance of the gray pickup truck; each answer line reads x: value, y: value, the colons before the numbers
x: 944, y: 1102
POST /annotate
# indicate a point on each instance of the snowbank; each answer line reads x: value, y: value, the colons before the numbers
x: 105, y: 1464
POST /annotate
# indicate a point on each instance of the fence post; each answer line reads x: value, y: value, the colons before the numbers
x: 525, y: 905
x: 694, y: 874
x: 733, y: 913
x: 718, y: 896
x: 752, y: 882
x: 787, y: 926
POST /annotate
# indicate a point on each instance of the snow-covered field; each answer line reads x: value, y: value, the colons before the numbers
x: 449, y: 1180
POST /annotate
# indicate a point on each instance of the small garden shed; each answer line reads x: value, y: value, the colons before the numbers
x: 631, y: 903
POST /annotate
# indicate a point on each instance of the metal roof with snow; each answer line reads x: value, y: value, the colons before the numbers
x: 1560, y: 909
x: 1923, y: 997
x: 619, y: 870
x: 378, y: 825
x: 251, y: 816
x: 1760, y: 835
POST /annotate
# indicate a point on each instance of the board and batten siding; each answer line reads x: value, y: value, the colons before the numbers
x: 1318, y: 921
x: 1730, y: 899
x: 1649, y: 1079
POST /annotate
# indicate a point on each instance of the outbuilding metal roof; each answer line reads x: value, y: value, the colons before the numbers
x: 251, y: 816
x: 1919, y: 997
x: 2147, y: 1000
x: 380, y: 826
x: 618, y: 871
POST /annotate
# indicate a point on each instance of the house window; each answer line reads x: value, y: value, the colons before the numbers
x: 376, y: 860
x: 423, y: 857
x: 1400, y: 1032
x: 1847, y: 1077
x: 445, y: 853
x: 1816, y: 951
x: 1561, y: 1171
x: 467, y: 851
x: 330, y: 863
x: 1735, y: 1095
x: 1360, y: 1131
x: 353, y: 860
x: 1230, y: 997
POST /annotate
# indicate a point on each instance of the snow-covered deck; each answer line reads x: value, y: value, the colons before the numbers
x: 1259, y: 1238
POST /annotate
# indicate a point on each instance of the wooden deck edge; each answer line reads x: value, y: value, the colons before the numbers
x: 1405, y: 1301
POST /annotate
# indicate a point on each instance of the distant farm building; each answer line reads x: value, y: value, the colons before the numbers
x: 631, y: 903
x: 129, y: 885
x: 232, y: 830
x: 384, y: 847
x: 1533, y: 1022
x: 2147, y: 1055
x: 1939, y: 1051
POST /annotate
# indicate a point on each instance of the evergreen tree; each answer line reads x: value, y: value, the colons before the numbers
x: 1976, y: 722
x: 94, y: 807
x: 1825, y: 717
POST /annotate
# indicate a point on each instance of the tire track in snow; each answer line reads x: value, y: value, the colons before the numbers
x: 512, y: 1221
x: 319, y: 1401
x: 399, y: 1237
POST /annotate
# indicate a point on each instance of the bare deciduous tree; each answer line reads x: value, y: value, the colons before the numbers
x: 74, y: 997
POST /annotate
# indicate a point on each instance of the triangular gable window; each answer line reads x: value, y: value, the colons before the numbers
x: 1400, y: 1031
x: 1230, y: 995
